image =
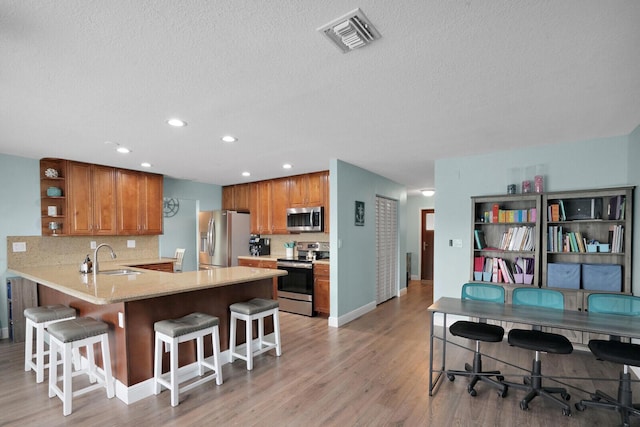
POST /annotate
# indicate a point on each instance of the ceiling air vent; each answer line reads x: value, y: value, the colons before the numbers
x: 350, y: 31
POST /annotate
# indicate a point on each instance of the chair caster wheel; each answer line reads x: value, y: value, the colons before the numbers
x: 500, y: 378
x: 565, y: 396
x: 451, y: 377
x: 566, y: 412
x: 524, y: 405
x: 580, y: 407
x: 503, y: 393
x: 472, y: 391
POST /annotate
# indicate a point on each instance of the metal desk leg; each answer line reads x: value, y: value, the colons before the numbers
x: 432, y: 383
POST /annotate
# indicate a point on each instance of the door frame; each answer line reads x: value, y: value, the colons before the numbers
x: 423, y: 211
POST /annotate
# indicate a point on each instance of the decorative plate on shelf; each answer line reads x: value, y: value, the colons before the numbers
x: 51, y: 173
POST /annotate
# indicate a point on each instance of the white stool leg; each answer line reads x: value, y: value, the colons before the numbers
x: 174, y: 372
x: 215, y: 337
x: 276, y: 331
x: 28, y: 345
x: 91, y: 358
x: 232, y: 336
x: 249, y: 339
x: 200, y: 354
x: 67, y: 390
x: 53, y: 367
x: 157, y: 365
x: 260, y: 332
x: 39, y: 352
x: 106, y: 361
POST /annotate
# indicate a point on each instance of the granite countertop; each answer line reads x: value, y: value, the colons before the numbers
x: 106, y: 289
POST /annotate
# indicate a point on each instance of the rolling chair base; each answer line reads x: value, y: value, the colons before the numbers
x: 476, y: 374
x: 533, y: 384
x: 622, y: 404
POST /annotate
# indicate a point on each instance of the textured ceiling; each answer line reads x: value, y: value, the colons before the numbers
x: 447, y: 78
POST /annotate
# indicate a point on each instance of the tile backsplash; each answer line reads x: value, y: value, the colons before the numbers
x: 72, y: 250
x: 278, y: 241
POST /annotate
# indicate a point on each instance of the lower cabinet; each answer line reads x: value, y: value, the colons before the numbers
x: 321, y: 282
x: 262, y: 263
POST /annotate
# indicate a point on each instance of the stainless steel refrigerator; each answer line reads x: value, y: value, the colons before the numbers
x: 224, y: 235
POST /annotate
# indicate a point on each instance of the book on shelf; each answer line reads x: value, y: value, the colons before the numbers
x: 480, y: 240
x: 616, y: 207
x: 478, y: 264
x: 616, y: 238
x: 553, y: 213
x: 563, y: 213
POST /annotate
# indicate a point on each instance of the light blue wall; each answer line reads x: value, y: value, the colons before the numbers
x: 598, y: 163
x: 180, y: 231
x: 353, y: 248
x: 19, y: 211
x: 415, y: 205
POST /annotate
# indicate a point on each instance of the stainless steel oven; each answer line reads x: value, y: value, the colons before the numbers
x: 295, y: 290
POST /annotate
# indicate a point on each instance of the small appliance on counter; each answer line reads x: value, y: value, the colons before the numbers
x: 259, y: 246
x: 295, y: 290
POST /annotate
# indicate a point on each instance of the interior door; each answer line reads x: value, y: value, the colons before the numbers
x: 426, y: 256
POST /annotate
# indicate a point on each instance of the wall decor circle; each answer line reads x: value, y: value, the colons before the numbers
x: 170, y: 207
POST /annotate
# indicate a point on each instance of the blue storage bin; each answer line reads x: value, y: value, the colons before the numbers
x: 563, y: 275
x: 602, y: 277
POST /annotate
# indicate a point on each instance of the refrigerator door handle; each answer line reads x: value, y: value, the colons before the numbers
x: 212, y: 239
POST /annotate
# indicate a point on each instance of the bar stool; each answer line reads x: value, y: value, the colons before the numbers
x: 255, y: 309
x: 171, y: 332
x: 68, y: 336
x: 39, y: 318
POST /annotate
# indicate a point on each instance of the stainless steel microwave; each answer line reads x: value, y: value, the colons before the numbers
x: 305, y: 219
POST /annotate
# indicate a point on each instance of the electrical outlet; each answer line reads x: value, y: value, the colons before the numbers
x: 131, y: 243
x: 93, y: 244
x: 19, y: 246
x: 457, y: 243
x: 121, y: 319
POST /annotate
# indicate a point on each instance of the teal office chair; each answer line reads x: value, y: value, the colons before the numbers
x: 615, y: 351
x: 479, y: 331
x: 539, y: 341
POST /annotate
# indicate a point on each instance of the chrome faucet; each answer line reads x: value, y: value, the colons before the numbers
x: 95, y: 256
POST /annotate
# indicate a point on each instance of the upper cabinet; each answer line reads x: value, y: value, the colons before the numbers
x: 307, y: 190
x: 236, y: 197
x: 91, y: 199
x: 268, y: 200
x: 83, y: 199
x: 139, y: 203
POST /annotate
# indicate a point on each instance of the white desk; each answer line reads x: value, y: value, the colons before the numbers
x: 597, y: 323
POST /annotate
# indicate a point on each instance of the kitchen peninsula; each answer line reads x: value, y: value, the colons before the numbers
x: 131, y: 303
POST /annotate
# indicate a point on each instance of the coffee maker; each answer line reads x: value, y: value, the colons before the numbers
x: 259, y: 246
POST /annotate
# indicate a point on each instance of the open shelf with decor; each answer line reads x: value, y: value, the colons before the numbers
x: 53, y: 200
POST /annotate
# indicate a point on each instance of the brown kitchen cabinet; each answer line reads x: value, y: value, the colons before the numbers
x: 167, y: 267
x: 280, y: 202
x: 139, y: 203
x: 53, y: 208
x: 91, y: 199
x: 260, y: 207
x: 236, y: 197
x: 306, y: 190
x: 261, y: 263
x: 321, y: 286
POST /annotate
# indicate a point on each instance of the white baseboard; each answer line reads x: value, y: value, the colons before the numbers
x: 337, y: 322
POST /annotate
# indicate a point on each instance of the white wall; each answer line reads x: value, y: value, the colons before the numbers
x: 598, y: 163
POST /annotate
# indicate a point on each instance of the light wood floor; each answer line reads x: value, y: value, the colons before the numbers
x: 372, y: 372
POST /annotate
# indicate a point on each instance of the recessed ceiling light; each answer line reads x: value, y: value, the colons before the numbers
x: 123, y: 150
x: 428, y: 193
x: 246, y: 174
x: 286, y: 166
x: 229, y: 138
x: 177, y: 123
x: 145, y: 164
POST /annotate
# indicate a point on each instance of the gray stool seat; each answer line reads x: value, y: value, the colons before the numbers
x: 254, y: 306
x: 48, y: 313
x: 66, y: 338
x: 185, y: 325
x: 169, y: 334
x: 77, y: 329
x: 39, y: 319
x: 248, y: 311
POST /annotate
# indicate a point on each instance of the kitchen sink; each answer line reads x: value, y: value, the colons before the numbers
x: 120, y: 272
